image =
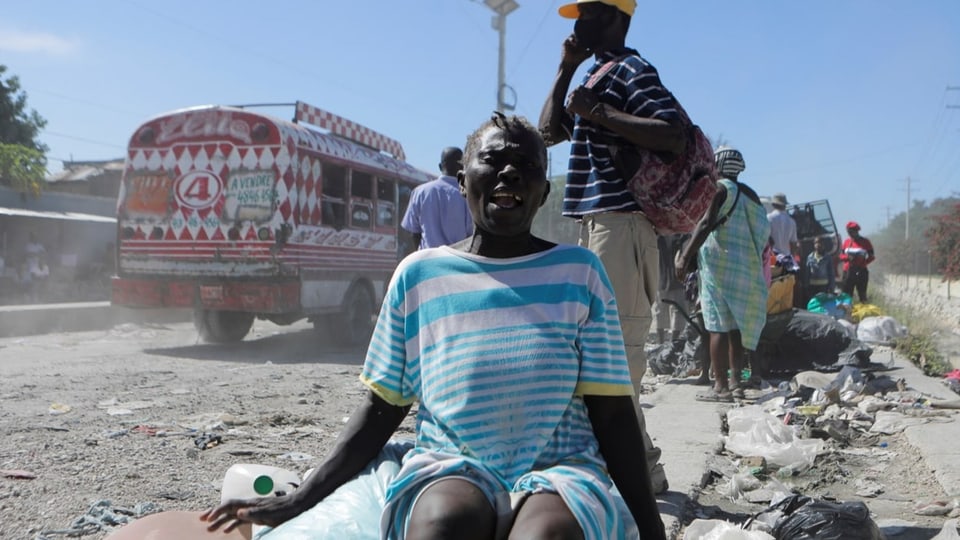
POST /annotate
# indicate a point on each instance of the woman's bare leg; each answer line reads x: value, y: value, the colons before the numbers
x: 719, y: 359
x: 545, y: 515
x: 736, y: 358
x: 452, y: 508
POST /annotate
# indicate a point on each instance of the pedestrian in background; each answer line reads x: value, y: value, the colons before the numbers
x: 783, y: 228
x: 856, y: 254
x: 820, y: 271
x: 626, y: 105
x: 728, y: 244
x: 437, y: 214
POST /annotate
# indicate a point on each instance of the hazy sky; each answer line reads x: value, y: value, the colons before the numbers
x: 827, y: 99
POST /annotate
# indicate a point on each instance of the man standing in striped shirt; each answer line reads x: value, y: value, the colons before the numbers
x: 622, y: 103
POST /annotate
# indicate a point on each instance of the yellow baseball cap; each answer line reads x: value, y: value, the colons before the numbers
x: 572, y: 11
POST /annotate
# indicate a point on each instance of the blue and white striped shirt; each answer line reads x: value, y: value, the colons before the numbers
x: 632, y: 86
x: 499, y: 353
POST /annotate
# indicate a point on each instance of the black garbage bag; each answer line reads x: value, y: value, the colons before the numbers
x: 676, y: 358
x: 663, y: 358
x: 800, y: 340
x: 816, y: 519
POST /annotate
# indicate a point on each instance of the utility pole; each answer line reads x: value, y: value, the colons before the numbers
x: 502, y: 8
x: 909, y: 182
x: 906, y: 232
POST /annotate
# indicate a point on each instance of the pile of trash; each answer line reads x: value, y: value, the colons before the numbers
x: 773, y: 442
x: 829, y: 335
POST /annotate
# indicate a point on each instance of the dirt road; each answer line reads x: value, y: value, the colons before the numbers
x: 112, y: 424
x: 113, y: 416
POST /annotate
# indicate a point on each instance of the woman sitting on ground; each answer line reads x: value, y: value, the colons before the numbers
x: 512, y: 347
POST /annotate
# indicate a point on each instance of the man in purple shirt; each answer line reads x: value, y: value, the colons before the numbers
x: 438, y: 213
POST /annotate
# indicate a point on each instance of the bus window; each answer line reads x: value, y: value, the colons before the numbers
x: 334, y: 196
x: 360, y: 215
x: 361, y: 200
x: 404, y: 200
x: 361, y: 185
x: 405, y: 243
x: 386, y: 202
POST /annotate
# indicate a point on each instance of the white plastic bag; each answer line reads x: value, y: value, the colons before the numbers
x: 880, y: 330
x: 949, y: 531
x: 717, y: 529
x: 352, y: 512
x: 756, y: 433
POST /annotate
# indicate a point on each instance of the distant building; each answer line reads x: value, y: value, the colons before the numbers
x: 76, y: 230
x: 95, y: 178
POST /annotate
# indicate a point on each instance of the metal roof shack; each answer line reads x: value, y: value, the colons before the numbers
x: 97, y: 178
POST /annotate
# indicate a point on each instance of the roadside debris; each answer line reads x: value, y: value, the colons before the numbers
x: 57, y: 409
x: 207, y: 440
x: 102, y: 516
x: 17, y: 474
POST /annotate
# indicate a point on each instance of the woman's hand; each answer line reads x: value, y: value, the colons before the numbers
x: 271, y: 511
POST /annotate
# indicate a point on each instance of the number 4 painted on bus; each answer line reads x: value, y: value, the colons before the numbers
x: 198, y: 189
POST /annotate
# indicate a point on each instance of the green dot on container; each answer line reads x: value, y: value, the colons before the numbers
x: 263, y: 485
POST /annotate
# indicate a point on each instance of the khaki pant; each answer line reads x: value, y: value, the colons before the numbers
x: 627, y: 245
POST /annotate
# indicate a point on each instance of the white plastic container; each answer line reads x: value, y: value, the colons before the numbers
x: 249, y: 481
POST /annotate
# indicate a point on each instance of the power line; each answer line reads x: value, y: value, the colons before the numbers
x: 236, y: 46
x: 824, y: 164
x: 85, y: 101
x: 81, y: 139
x: 543, y: 19
x: 947, y: 173
x: 926, y: 150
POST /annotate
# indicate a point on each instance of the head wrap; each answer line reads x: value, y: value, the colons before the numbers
x: 729, y: 162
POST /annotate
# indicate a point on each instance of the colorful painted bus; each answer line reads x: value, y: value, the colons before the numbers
x: 240, y: 215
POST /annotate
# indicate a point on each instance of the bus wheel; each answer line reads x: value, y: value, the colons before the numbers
x: 217, y: 326
x: 355, y: 323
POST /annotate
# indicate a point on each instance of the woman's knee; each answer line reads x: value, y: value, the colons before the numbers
x: 545, y: 516
x: 452, y: 508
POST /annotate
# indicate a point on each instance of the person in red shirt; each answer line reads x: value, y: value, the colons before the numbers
x: 856, y: 254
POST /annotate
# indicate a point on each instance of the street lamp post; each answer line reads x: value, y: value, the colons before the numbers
x: 502, y: 8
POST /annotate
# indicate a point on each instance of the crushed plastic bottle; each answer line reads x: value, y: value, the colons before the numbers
x: 785, y: 472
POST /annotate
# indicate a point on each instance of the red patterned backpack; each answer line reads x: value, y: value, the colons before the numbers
x: 674, y: 191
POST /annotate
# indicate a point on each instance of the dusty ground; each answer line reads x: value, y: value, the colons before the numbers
x: 138, y: 397
x: 113, y: 416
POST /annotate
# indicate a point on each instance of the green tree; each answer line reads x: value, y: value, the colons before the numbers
x: 22, y: 155
x: 22, y: 168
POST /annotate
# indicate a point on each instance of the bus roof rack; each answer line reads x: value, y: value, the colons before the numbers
x: 348, y: 129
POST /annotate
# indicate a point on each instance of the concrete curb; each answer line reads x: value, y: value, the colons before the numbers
x: 687, y: 432
x: 937, y: 441
x: 36, y: 319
